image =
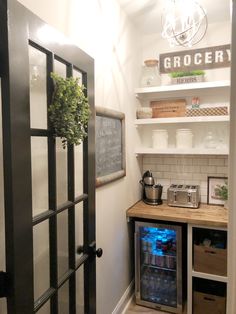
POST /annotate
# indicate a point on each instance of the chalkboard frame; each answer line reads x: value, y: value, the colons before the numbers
x: 109, y: 113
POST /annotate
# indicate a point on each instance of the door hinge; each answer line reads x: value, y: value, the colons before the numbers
x: 3, y: 284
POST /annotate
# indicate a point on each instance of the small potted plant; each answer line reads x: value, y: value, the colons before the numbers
x: 69, y: 110
x: 187, y: 77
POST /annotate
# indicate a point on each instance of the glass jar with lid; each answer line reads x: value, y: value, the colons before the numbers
x: 209, y: 141
x: 150, y: 74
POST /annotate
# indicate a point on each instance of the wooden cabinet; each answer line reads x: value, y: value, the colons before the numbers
x: 202, y: 223
x: 207, y: 263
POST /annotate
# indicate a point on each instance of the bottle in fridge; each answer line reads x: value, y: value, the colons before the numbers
x: 158, y: 266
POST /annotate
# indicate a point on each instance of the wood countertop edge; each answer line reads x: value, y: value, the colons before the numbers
x: 144, y: 211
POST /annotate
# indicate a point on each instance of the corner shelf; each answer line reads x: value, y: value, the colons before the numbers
x: 176, y: 151
x: 180, y: 90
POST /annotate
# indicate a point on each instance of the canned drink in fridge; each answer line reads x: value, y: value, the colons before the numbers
x: 164, y: 245
x: 146, y: 258
x: 160, y: 262
x: 167, y: 261
x: 170, y: 261
x: 144, y: 245
x: 173, y: 247
x: 149, y: 246
x: 153, y: 259
x: 173, y: 262
x: 158, y: 242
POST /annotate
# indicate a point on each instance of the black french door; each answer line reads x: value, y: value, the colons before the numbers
x: 49, y: 191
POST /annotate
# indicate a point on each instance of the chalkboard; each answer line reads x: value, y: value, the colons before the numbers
x: 110, y: 145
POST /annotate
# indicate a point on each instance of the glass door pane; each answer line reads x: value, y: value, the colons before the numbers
x: 63, y: 299
x: 61, y: 169
x: 78, y: 155
x: 39, y: 166
x: 62, y: 243
x: 158, y: 264
x: 80, y: 290
x: 61, y: 154
x: 41, y: 259
x: 79, y: 228
x: 38, y: 88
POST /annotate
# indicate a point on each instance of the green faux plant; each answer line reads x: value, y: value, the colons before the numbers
x: 222, y: 191
x: 187, y: 73
x: 69, y: 110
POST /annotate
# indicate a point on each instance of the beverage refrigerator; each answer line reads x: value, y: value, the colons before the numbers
x: 158, y: 266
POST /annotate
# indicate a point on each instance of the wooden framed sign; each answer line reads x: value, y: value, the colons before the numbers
x: 196, y: 59
x: 110, y: 145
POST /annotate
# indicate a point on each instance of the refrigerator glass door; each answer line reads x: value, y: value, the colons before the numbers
x: 158, y: 269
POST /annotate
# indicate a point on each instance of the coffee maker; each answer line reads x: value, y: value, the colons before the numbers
x: 151, y: 192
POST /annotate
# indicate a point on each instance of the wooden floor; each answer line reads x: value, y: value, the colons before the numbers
x: 140, y: 309
x: 134, y: 309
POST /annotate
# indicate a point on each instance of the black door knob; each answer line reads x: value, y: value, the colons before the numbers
x: 80, y: 249
x: 99, y: 252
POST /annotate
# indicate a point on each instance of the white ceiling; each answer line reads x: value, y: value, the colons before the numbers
x: 146, y: 14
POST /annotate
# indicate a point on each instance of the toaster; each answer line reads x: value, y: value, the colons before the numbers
x: 183, y: 195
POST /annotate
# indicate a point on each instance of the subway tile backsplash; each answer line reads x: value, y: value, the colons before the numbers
x: 168, y: 169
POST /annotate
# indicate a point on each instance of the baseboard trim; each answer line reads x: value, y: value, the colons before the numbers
x: 125, y: 300
x: 131, y: 299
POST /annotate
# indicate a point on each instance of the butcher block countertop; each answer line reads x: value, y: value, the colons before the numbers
x: 207, y: 215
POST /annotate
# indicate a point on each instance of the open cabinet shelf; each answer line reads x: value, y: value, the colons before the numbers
x: 176, y: 151
x: 182, y: 120
x: 212, y: 92
x: 209, y: 276
x: 180, y: 90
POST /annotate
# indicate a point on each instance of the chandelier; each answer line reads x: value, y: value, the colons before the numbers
x: 184, y: 22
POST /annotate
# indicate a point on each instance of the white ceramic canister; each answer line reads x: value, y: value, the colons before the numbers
x: 159, y: 139
x: 184, y: 138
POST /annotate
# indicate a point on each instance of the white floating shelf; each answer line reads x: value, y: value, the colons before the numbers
x: 209, y: 276
x: 180, y: 89
x: 182, y: 120
x: 176, y: 151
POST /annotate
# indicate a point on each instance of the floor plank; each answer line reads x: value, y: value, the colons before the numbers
x: 134, y: 309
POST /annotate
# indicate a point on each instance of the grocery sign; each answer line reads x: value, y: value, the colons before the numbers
x: 196, y: 59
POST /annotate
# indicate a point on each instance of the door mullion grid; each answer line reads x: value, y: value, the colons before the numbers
x: 71, y: 217
x: 52, y: 195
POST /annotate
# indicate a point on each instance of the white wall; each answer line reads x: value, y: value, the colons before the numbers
x: 112, y: 41
x: 101, y: 29
x: 164, y: 168
x: 217, y: 34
